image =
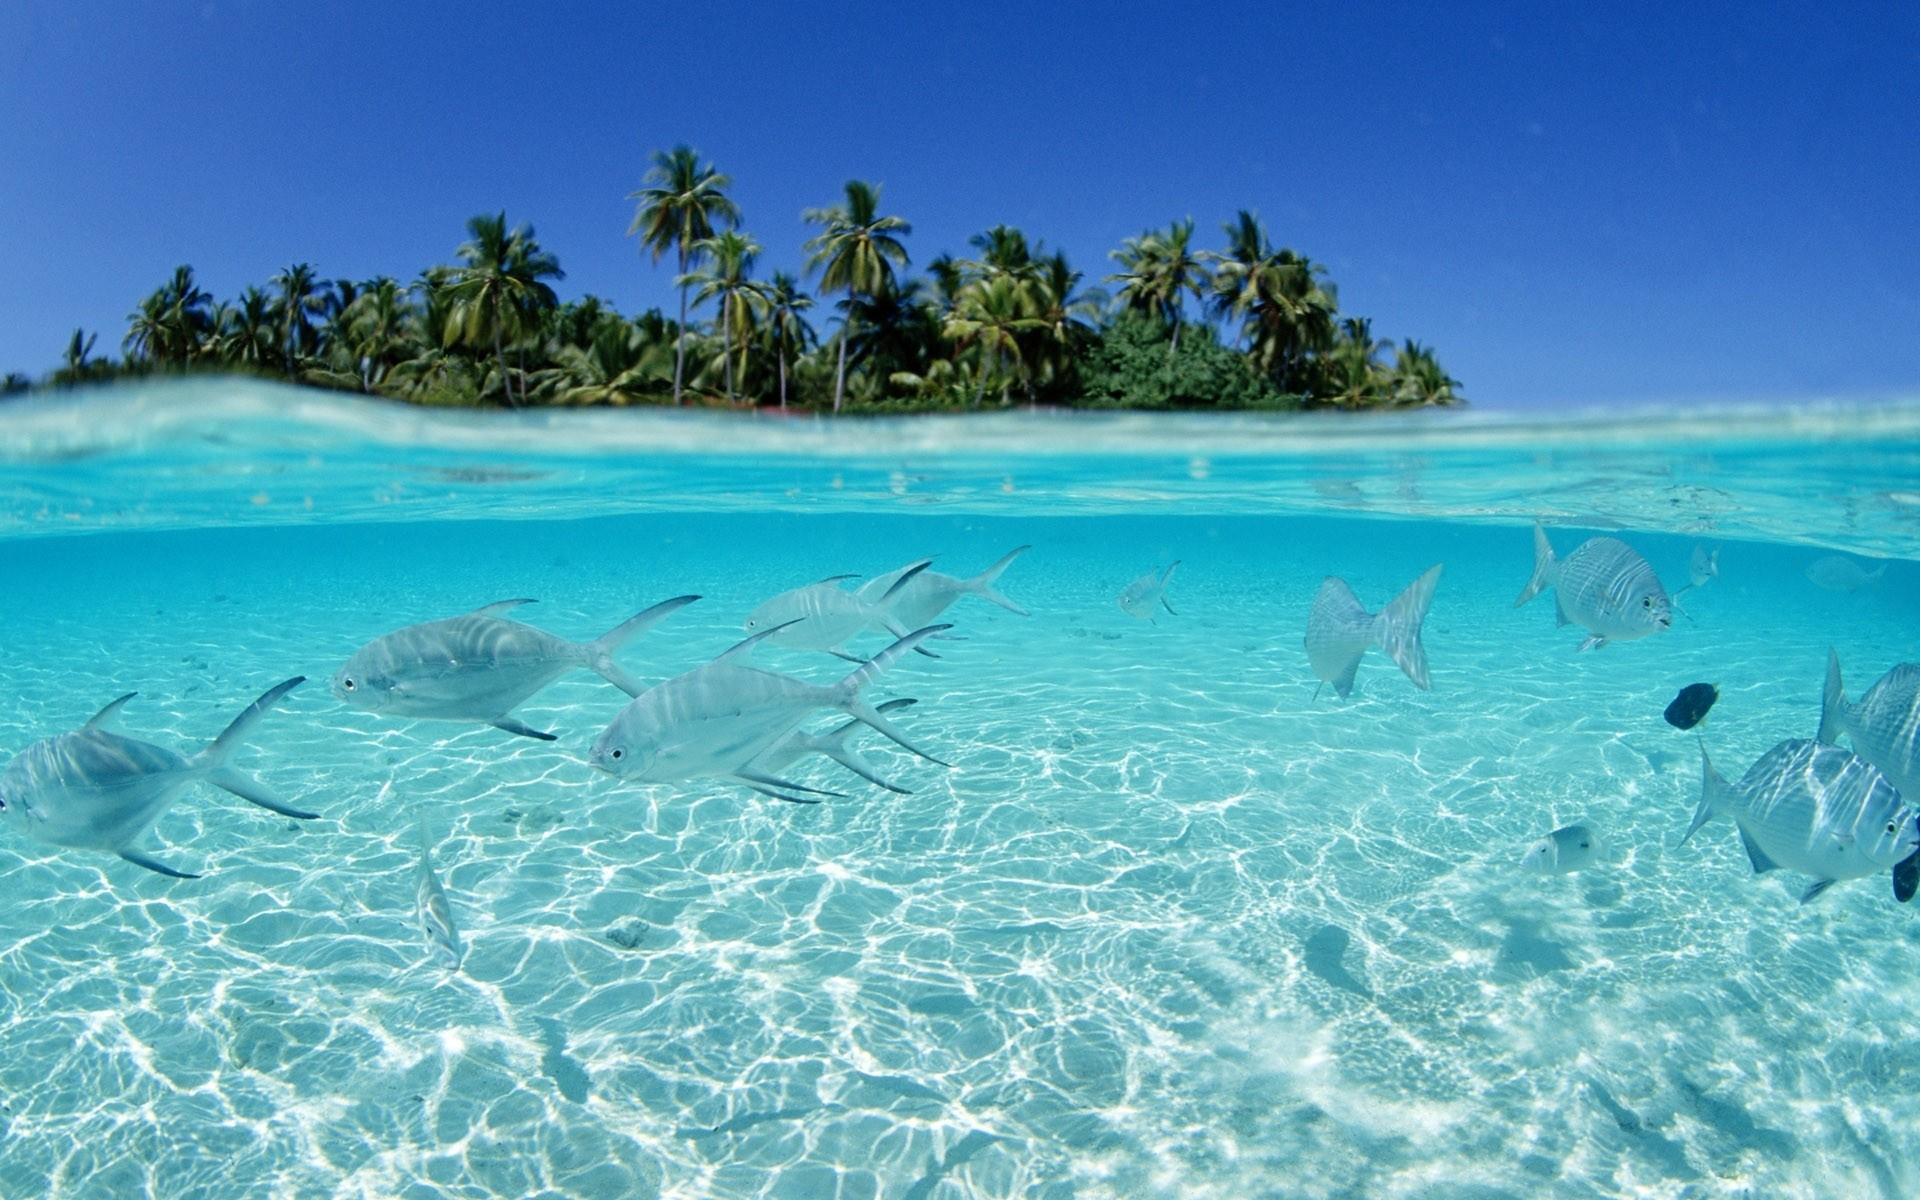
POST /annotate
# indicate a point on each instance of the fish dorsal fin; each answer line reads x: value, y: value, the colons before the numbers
x: 744, y: 649
x: 832, y: 579
x: 1166, y: 576
x: 499, y: 608
x: 905, y: 575
x: 99, y: 719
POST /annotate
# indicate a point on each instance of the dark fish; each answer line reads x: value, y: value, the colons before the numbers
x: 1690, y: 707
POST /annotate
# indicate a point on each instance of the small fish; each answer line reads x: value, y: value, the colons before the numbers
x: 713, y: 721
x: 481, y: 666
x: 1604, y: 586
x: 1568, y: 848
x: 1148, y: 594
x: 1689, y: 708
x: 833, y: 744
x: 1703, y: 567
x: 436, y: 914
x: 94, y: 789
x: 1838, y: 573
x: 1818, y: 810
x: 927, y: 594
x: 1884, y: 724
x: 1340, y: 631
x: 823, y: 615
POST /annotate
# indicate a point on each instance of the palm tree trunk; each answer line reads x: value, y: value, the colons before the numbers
x: 680, y: 337
x: 840, y: 372
x: 500, y: 353
x: 726, y: 340
x: 783, y: 374
x: 1175, y: 348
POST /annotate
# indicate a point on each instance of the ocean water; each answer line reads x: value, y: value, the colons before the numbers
x: 1170, y: 924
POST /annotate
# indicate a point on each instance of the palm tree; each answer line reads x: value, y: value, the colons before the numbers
x: 730, y: 256
x: 1286, y: 313
x: 680, y: 206
x: 79, y: 348
x: 171, y: 325
x: 250, y: 334
x: 501, y: 291
x: 992, y: 316
x: 300, y: 300
x: 620, y: 364
x: 1065, y: 315
x: 1418, y: 378
x: 855, y: 252
x: 1161, y: 271
x: 787, y: 322
x: 376, y: 330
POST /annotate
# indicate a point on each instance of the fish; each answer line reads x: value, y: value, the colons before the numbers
x: 1703, y: 567
x: 1340, y: 631
x: 436, y: 913
x: 1689, y: 708
x: 713, y: 721
x: 1567, y: 848
x: 1884, y: 724
x: 94, y: 789
x: 833, y: 744
x: 927, y: 594
x: 823, y: 615
x: 1819, y: 810
x: 480, y: 667
x: 1838, y: 573
x: 1148, y: 594
x: 1604, y: 586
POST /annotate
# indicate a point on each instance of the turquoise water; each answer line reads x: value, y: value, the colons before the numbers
x: 1169, y: 925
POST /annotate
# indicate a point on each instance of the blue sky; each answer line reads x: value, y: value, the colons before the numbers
x: 1574, y: 206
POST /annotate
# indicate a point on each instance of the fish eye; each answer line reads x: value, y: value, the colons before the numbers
x: 347, y: 683
x: 1646, y: 602
x: 617, y: 755
x: 1892, y: 826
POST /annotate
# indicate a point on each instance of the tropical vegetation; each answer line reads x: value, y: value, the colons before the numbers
x: 1247, y: 324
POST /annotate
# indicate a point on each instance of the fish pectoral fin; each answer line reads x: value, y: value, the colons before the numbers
x: 513, y: 726
x: 1560, y: 618
x: 1168, y: 607
x: 1756, y: 856
x: 1593, y: 642
x: 758, y: 780
x: 769, y: 792
x: 852, y: 658
x: 106, y: 714
x: 1815, y: 888
x: 140, y: 859
x: 248, y: 789
x: 500, y: 607
x: 1906, y: 877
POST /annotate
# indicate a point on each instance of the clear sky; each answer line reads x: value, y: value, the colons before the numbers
x: 1573, y: 203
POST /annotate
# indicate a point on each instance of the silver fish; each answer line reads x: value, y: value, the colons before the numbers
x: 436, y: 913
x: 1703, y: 567
x: 713, y: 721
x: 1884, y: 724
x: 1838, y: 573
x: 833, y: 744
x: 1567, y: 848
x: 1604, y: 586
x: 1340, y: 631
x: 481, y: 666
x: 94, y: 789
x: 1818, y: 810
x: 823, y: 615
x: 927, y: 594
x: 1148, y: 594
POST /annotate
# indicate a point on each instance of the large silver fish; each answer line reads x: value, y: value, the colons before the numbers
x: 1604, y: 587
x: 1838, y: 573
x: 833, y: 744
x: 1147, y: 595
x: 927, y: 594
x: 481, y: 666
x: 1884, y: 724
x: 1340, y: 631
x: 823, y: 615
x: 1568, y: 848
x: 94, y: 789
x: 1818, y: 810
x: 713, y: 721
x: 436, y: 913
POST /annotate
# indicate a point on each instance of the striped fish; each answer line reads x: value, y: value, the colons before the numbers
x: 481, y: 666
x: 1604, y: 587
x: 832, y: 744
x: 1340, y: 631
x: 1884, y: 724
x: 436, y: 912
x: 1819, y: 810
x: 94, y: 789
x: 927, y: 594
x: 823, y: 615
x: 1147, y: 595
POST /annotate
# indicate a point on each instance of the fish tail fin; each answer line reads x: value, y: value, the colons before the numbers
x: 215, y: 756
x: 981, y: 585
x: 1543, y: 566
x: 1713, y: 794
x: 833, y: 744
x: 846, y: 693
x: 1833, y: 702
x: 598, y: 653
x: 1397, y: 627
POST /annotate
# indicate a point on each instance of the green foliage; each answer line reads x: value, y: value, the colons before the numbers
x: 1135, y: 365
x: 1011, y: 325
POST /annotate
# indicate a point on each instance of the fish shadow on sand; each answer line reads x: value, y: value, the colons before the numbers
x: 1323, y: 955
x: 1525, y: 953
x: 964, y: 1149
x: 1667, y: 1155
